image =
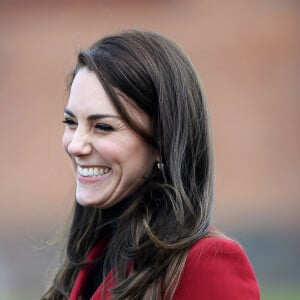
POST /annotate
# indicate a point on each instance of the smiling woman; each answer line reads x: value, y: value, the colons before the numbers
x: 137, y: 135
x: 101, y: 145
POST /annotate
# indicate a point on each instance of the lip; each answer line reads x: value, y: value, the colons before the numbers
x: 91, y: 166
x: 85, y: 179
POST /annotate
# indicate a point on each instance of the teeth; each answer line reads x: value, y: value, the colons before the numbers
x: 92, y: 172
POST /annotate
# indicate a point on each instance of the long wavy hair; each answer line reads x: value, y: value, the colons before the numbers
x: 172, y: 208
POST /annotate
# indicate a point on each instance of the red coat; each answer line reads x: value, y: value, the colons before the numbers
x: 216, y: 269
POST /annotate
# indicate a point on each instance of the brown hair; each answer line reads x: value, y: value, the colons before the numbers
x: 172, y: 209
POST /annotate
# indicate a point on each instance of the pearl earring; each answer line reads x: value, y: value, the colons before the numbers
x: 160, y: 166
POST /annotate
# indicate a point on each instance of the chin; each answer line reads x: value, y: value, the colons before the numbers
x: 83, y: 202
x: 89, y: 202
x: 86, y: 201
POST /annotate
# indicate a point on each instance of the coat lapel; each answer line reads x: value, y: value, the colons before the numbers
x: 82, y: 276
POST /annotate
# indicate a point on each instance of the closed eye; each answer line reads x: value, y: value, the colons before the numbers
x: 69, y: 122
x: 104, y: 127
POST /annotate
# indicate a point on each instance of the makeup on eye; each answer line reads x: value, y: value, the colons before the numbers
x: 69, y: 121
x: 104, y: 127
x: 93, y: 117
x: 93, y: 120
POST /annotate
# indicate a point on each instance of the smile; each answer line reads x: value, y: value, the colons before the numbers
x: 92, y: 172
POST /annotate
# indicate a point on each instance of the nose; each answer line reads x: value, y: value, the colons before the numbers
x: 79, y: 144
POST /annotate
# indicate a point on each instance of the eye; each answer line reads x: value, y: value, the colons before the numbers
x: 104, y: 127
x: 69, y: 122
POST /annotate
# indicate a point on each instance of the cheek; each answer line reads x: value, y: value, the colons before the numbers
x: 112, y: 151
x: 137, y: 156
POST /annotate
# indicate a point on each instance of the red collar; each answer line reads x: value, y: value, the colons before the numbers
x: 83, y: 274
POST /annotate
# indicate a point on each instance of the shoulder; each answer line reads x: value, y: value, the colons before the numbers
x: 218, y: 268
x: 213, y: 249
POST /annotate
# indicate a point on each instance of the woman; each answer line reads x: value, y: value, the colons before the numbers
x: 137, y: 134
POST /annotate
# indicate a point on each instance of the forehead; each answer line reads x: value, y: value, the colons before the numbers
x: 88, y: 95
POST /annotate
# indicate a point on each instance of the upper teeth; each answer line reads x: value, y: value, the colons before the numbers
x: 90, y: 172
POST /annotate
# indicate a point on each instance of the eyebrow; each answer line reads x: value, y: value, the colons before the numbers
x: 92, y: 117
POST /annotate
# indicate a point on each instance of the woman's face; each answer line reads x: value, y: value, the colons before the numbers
x: 108, y: 158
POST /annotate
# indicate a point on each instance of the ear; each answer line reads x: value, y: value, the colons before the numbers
x: 157, y: 158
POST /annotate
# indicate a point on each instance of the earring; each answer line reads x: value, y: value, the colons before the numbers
x: 160, y: 166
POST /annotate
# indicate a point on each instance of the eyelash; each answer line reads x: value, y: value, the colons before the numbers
x: 68, y: 121
x: 100, y: 126
x: 104, y: 127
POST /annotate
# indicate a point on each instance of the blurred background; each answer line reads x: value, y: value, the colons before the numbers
x: 247, y: 54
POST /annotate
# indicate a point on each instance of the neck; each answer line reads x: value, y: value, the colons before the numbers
x: 112, y: 214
